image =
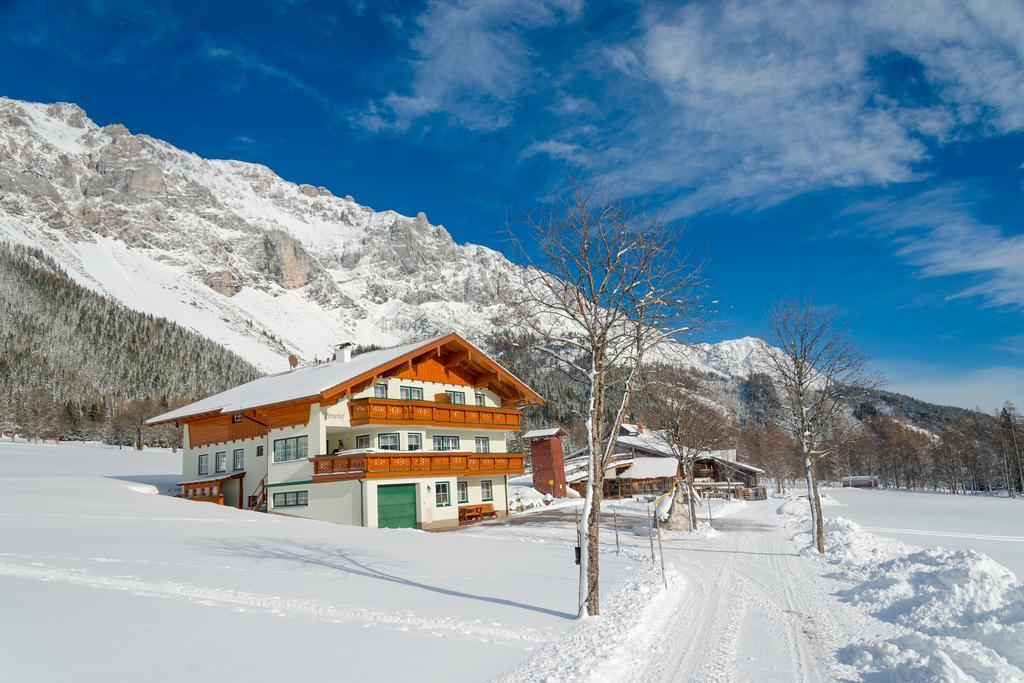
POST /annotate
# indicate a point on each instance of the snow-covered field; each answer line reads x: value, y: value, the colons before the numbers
x: 100, y: 578
x: 990, y: 525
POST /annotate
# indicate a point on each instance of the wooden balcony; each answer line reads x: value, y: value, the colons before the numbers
x: 398, y: 464
x: 389, y: 411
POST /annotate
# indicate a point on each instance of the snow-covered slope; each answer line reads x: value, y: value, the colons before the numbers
x: 264, y: 266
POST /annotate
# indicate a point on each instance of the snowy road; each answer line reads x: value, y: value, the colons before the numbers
x: 751, y: 608
x: 742, y: 605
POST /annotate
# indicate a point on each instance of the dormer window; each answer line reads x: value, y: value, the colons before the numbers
x: 380, y: 390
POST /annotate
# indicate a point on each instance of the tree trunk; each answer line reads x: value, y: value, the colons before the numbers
x: 819, y: 521
x: 809, y: 477
x: 593, y: 537
x: 589, y: 604
x: 691, y: 496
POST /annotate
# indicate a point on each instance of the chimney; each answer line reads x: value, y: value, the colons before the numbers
x: 639, y: 427
x: 547, y: 458
x: 343, y: 352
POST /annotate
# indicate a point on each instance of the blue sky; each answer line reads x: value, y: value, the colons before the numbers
x: 872, y: 154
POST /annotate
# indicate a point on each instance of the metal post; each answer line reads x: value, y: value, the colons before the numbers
x: 615, y: 518
x: 661, y: 552
x: 709, y: 512
x: 650, y: 535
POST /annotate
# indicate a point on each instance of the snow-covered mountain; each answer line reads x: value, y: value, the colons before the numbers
x: 261, y: 265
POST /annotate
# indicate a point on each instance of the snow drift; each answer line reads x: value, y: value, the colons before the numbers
x: 962, y: 612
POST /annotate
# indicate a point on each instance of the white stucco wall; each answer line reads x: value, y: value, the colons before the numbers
x: 337, y: 501
x: 255, y: 467
x: 291, y: 470
x: 500, y: 500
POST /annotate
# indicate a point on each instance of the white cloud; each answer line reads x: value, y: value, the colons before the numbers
x: 985, y: 388
x: 936, y: 232
x: 472, y: 60
x: 761, y: 101
x: 736, y: 103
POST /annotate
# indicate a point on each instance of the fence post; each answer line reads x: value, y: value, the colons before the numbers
x: 650, y: 535
x: 661, y: 552
x: 615, y: 518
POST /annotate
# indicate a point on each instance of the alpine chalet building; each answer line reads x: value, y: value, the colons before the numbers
x: 410, y: 436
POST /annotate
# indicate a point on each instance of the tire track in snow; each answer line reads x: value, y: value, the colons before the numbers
x: 297, y: 607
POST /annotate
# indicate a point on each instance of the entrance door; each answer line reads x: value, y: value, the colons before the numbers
x: 396, y: 506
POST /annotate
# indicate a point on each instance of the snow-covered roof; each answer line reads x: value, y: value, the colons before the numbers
x: 214, y: 477
x: 740, y: 466
x: 294, y: 384
x: 651, y: 468
x: 650, y: 440
x: 312, y: 380
x: 544, y: 433
x: 727, y: 454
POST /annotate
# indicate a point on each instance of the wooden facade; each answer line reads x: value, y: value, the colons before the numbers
x: 363, y: 411
x: 380, y: 465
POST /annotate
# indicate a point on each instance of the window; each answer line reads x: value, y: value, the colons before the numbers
x: 481, y: 400
x: 363, y: 441
x: 486, y: 490
x: 237, y: 417
x: 294, y: 448
x: 388, y: 442
x: 259, y: 451
x: 220, y: 462
x: 411, y: 393
x: 458, y: 397
x: 446, y: 443
x: 483, y: 444
x: 238, y: 459
x: 463, y: 491
x: 380, y: 390
x: 415, y: 441
x: 204, y: 464
x: 291, y: 499
x: 441, y: 494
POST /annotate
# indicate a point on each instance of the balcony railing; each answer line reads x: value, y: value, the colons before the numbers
x: 394, y: 464
x: 363, y: 411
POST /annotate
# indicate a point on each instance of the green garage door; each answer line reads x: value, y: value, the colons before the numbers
x: 396, y: 506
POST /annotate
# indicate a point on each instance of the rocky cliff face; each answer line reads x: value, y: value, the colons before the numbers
x: 232, y: 251
x: 227, y: 248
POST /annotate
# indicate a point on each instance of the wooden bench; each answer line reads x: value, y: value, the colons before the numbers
x: 474, y: 513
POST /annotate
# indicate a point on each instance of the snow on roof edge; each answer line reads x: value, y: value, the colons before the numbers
x: 239, y: 398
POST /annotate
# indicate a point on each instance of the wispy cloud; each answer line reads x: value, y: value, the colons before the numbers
x: 245, y: 62
x: 763, y: 101
x: 742, y: 103
x: 471, y: 61
x: 937, y: 232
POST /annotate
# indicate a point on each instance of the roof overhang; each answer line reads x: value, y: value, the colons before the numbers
x: 452, y: 348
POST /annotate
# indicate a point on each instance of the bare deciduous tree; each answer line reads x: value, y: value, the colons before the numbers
x: 819, y: 373
x: 691, y: 427
x: 605, y: 286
